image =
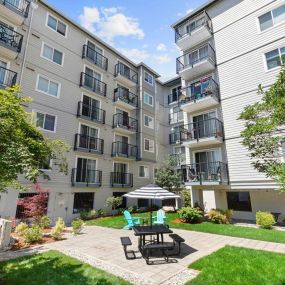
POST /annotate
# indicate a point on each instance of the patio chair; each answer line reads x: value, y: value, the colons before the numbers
x: 160, y: 218
x: 131, y: 221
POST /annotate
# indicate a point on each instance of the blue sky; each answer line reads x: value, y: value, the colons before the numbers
x: 138, y: 28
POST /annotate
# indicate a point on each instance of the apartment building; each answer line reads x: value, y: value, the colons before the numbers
x: 227, y: 49
x: 85, y: 93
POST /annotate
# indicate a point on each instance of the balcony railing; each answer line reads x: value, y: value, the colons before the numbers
x: 190, y: 60
x: 95, y: 57
x: 203, y: 172
x: 89, y: 144
x: 124, y: 70
x: 126, y: 96
x: 202, y: 129
x: 120, y: 179
x: 175, y: 138
x: 179, y: 158
x: 91, y: 113
x: 173, y: 97
x: 86, y: 177
x: 93, y: 84
x: 125, y: 122
x: 190, y: 26
x: 7, y: 78
x: 199, y: 90
x: 10, y: 38
x: 122, y: 149
x: 21, y: 7
x: 175, y: 117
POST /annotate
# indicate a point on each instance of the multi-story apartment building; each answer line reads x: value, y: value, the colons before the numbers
x: 227, y: 49
x: 108, y: 109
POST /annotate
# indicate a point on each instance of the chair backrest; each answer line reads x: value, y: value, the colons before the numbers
x: 160, y: 215
x: 128, y: 217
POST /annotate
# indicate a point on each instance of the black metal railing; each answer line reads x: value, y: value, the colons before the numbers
x: 125, y: 122
x: 91, y: 113
x: 8, y: 78
x: 121, y: 179
x: 205, y: 172
x: 202, y: 129
x: 20, y: 7
x: 175, y: 137
x: 175, y: 117
x: 179, y: 158
x: 199, y: 90
x: 93, y: 84
x: 192, y: 25
x: 191, y: 59
x: 10, y: 38
x: 86, y: 177
x: 95, y: 57
x: 124, y: 70
x: 123, y: 94
x: 124, y: 150
x: 87, y: 143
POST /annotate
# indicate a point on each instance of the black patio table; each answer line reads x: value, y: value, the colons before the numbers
x: 143, y: 231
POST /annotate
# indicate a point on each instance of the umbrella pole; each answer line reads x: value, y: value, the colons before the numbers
x: 150, y: 212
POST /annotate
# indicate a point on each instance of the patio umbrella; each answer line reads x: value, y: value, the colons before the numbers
x: 151, y: 192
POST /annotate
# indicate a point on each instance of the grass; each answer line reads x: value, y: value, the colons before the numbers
x: 53, y: 268
x: 118, y: 222
x: 240, y: 266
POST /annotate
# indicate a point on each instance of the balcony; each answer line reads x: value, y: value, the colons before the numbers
x: 86, y: 143
x: 175, y: 138
x: 194, y: 31
x: 176, y: 117
x: 179, y: 158
x: 93, y: 84
x: 8, y: 78
x: 86, y: 178
x: 120, y: 179
x: 15, y: 10
x: 211, y: 173
x: 196, y: 63
x: 126, y: 75
x: 200, y: 95
x: 89, y: 113
x: 206, y: 133
x: 10, y: 42
x: 125, y: 124
x: 95, y: 57
x: 124, y: 150
x: 125, y: 99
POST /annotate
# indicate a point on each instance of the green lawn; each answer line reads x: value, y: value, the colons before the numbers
x: 53, y: 268
x: 118, y: 222
x: 240, y: 266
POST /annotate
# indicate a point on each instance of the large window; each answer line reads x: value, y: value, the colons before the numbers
x: 56, y: 25
x: 272, y: 18
x: 52, y: 54
x: 143, y: 171
x: 48, y: 86
x: 83, y: 202
x: 148, y: 145
x: 274, y: 57
x: 148, y: 99
x: 148, y: 122
x: 45, y: 121
x: 239, y: 201
x: 148, y: 78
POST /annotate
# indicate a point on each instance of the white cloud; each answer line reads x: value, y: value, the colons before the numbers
x: 161, y: 59
x: 161, y: 47
x: 134, y: 54
x: 189, y: 10
x: 89, y: 18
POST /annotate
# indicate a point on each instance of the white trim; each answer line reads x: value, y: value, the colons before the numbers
x: 34, y: 113
x: 145, y: 115
x: 46, y: 93
x: 149, y: 96
x: 86, y: 157
x: 46, y: 24
x: 144, y: 177
x: 279, y: 46
x: 149, y: 141
x: 48, y: 59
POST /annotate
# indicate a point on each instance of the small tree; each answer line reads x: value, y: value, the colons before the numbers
x: 114, y: 202
x: 186, y: 198
x: 264, y: 130
x: 167, y: 176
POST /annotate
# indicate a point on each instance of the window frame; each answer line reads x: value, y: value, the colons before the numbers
x: 144, y: 166
x: 46, y: 93
x: 48, y: 59
x: 146, y: 73
x: 147, y: 103
x: 249, y: 209
x: 80, y: 193
x: 45, y: 113
x: 150, y: 127
x: 265, y: 59
x: 57, y: 19
x: 145, y: 139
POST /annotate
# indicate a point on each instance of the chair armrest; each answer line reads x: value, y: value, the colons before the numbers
x: 138, y: 218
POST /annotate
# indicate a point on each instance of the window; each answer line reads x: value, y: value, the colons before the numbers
x: 52, y: 54
x: 56, y: 25
x: 272, y: 18
x: 46, y: 165
x: 45, y: 121
x: 48, y: 86
x: 143, y: 171
x: 274, y: 57
x: 148, y: 99
x: 148, y: 122
x: 239, y: 201
x: 148, y: 78
x: 83, y: 202
x: 148, y: 145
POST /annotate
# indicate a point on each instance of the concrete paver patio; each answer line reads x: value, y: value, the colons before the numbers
x: 101, y: 247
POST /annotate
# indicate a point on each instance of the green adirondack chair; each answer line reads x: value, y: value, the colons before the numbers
x: 131, y: 221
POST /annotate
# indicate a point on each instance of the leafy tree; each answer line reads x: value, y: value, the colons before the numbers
x: 264, y: 130
x: 23, y: 148
x: 114, y: 202
x: 167, y: 175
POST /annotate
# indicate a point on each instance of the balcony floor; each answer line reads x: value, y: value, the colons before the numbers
x: 7, y: 52
x: 124, y: 130
x: 12, y: 16
x: 199, y: 104
x: 125, y: 105
x: 125, y: 81
x: 203, y: 142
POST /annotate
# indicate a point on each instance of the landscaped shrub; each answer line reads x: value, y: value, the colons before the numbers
x: 20, y: 229
x: 186, y: 198
x: 88, y: 215
x: 32, y: 234
x: 58, y: 229
x: 77, y: 226
x: 101, y: 212
x: 114, y: 202
x: 44, y: 222
x: 120, y: 211
x: 265, y: 220
x: 218, y: 216
x: 190, y: 215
